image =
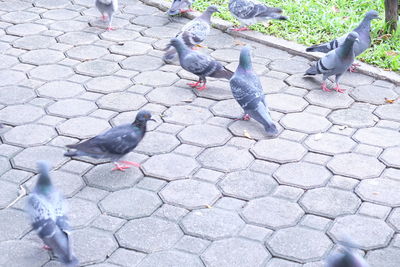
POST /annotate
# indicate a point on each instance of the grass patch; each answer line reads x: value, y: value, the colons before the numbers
x: 316, y: 21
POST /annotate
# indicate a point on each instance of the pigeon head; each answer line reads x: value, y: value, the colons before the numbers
x: 372, y: 15
x: 43, y: 183
x: 352, y: 37
x: 175, y: 8
x: 178, y: 44
x: 143, y: 116
x: 245, y: 58
x: 212, y: 9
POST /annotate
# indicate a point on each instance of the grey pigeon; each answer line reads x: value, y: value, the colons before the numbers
x: 193, y: 33
x: 114, y: 143
x: 45, y: 206
x: 107, y: 7
x: 249, y: 12
x: 363, y: 31
x: 248, y: 92
x: 336, y: 62
x: 180, y: 6
x: 199, y: 64
x: 345, y: 257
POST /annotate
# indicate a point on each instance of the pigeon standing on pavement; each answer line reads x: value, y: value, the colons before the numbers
x: 345, y: 257
x: 249, y: 12
x: 107, y: 7
x: 114, y: 143
x: 199, y: 64
x: 363, y: 30
x: 193, y: 33
x: 336, y: 62
x: 47, y: 212
x: 180, y: 6
x: 248, y: 92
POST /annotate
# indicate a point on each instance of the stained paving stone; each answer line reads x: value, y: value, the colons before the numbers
x: 356, y: 165
x: 78, y: 38
x: 212, y: 223
x: 97, y: 67
x: 83, y: 127
x: 334, y: 101
x: 171, y: 258
x: 69, y: 108
x: 219, y: 158
x: 381, y: 191
x: 163, y: 78
x: 378, y: 137
x: 237, y: 252
x: 22, y: 253
x: 305, y: 122
x: 204, y: 135
x: 42, y: 57
x: 13, y: 224
x: 387, y: 257
x: 11, y: 77
x: 186, y: 115
x: 247, y: 184
x: 20, y: 114
x: 329, y: 143
x: 149, y: 234
x: 14, y: 94
x: 51, y: 72
x: 307, y: 175
x: 278, y: 150
x: 272, y: 212
x: 391, y: 156
x: 365, y: 232
x: 286, y: 103
x: 30, y: 135
x: 299, y: 244
x: 330, y: 202
x: 28, y: 157
x: 60, y: 89
x: 86, y: 52
x: 155, y: 143
x: 372, y: 94
x: 108, y: 84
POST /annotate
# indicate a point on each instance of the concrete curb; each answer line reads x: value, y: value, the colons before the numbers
x: 290, y: 47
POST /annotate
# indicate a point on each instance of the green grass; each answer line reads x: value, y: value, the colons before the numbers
x: 315, y: 21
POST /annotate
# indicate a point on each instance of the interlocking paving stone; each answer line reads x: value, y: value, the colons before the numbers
x: 387, y: 257
x: 170, y: 96
x: 15, y: 94
x: 186, y: 115
x: 171, y: 258
x: 381, y: 191
x: 204, y: 135
x: 30, y: 135
x: 13, y: 224
x: 305, y: 122
x: 51, y: 72
x: 122, y: 101
x: 286, y: 103
x: 83, y: 127
x: 78, y: 38
x: 278, y: 150
x: 289, y: 66
x: 25, y: 29
x: 388, y: 112
x: 70, y: 108
x: 60, y: 89
x: 18, y: 253
x: 378, y: 137
x: 108, y: 84
x: 97, y: 67
x: 42, y: 56
x: 126, y: 257
x: 220, y: 158
x: 86, y: 52
x: 28, y: 157
x: 358, y: 116
x: 391, y: 156
x: 334, y: 101
x: 81, y: 212
x: 329, y: 143
x: 155, y: 143
x: 142, y: 63
x: 372, y: 94
x: 163, y: 78
x: 11, y: 77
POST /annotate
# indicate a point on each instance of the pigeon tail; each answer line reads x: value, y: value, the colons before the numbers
x: 319, y: 48
x: 312, y: 70
x: 44, y: 178
x: 261, y: 114
x: 70, y: 153
x: 222, y: 73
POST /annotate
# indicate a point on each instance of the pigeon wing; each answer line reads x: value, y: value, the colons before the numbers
x: 196, y: 63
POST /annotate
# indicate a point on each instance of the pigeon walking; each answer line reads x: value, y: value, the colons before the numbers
x: 193, y: 33
x: 200, y: 64
x: 248, y: 92
x: 249, y: 12
x: 180, y: 6
x: 47, y: 212
x: 363, y: 31
x: 114, y: 143
x: 345, y: 257
x: 107, y: 7
x: 336, y: 62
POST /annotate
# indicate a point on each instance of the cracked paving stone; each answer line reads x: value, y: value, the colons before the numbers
x: 83, y: 127
x: 155, y: 143
x: 69, y: 108
x: 190, y: 194
x: 388, y: 112
x: 27, y: 158
x: 220, y: 158
x: 108, y: 84
x: 186, y: 115
x: 302, y: 174
x: 51, y: 72
x: 378, y: 137
x: 356, y: 165
x: 170, y: 96
x: 300, y: 244
x: 391, y: 157
x: 29, y: 135
x: 381, y: 191
x: 17, y: 253
x: 286, y: 103
x: 163, y: 78
x: 11, y: 77
x: 236, y: 252
x: 14, y: 94
x: 86, y: 52
x: 171, y: 258
x: 204, y: 135
x: 388, y: 257
x: 278, y: 150
x: 328, y: 143
x: 364, y: 232
x: 81, y: 212
x: 13, y: 224
x: 149, y: 234
x: 272, y: 212
x: 119, y: 203
x: 97, y: 67
x: 305, y: 122
x: 20, y: 114
x: 142, y: 63
x: 78, y: 38
x: 334, y: 101
x: 42, y: 57
x: 122, y: 101
x: 247, y: 184
x: 60, y: 89
x: 330, y: 202
x: 25, y: 29
x: 372, y: 94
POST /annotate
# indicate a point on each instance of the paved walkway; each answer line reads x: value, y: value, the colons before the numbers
x: 212, y: 191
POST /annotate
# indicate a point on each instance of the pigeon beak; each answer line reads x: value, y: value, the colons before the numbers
x: 357, y: 40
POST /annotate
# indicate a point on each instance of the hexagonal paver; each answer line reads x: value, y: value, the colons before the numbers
x: 334, y: 101
x: 356, y: 165
x: 170, y: 166
x: 60, y: 89
x: 27, y: 158
x: 70, y: 108
x: 4, y: 165
x: 155, y: 143
x: 131, y: 48
x: 381, y: 191
x: 301, y: 81
x: 149, y: 234
x: 86, y: 52
x: 228, y: 109
x: 171, y: 258
x: 34, y: 42
x: 7, y: 61
x: 391, y: 156
x: 11, y: 77
x: 289, y: 66
x: 330, y: 202
x: 272, y: 212
x: 119, y: 35
x: 170, y: 95
x: 60, y: 14
x: 388, y: 257
x: 186, y: 115
x: 108, y: 84
x: 24, y: 29
x: 9, y: 192
x: 51, y: 4
x: 30, y: 135
x: 372, y: 94
x: 236, y: 252
x: 97, y: 67
x: 13, y: 224
x: 278, y: 150
x: 142, y: 63
x: 123, y: 101
x: 247, y: 184
x: 22, y: 253
x: 81, y: 212
x: 190, y: 194
x: 394, y: 218
x: 226, y: 158
x: 119, y: 203
x: 14, y: 94
x: 51, y: 72
x: 357, y: 116
x: 204, y: 135
x: 329, y: 143
x: 20, y: 17
x: 20, y: 114
x: 218, y: 89
x: 69, y: 25
x: 42, y: 57
x: 365, y: 232
x: 388, y: 112
x: 300, y: 244
x: 163, y: 78
x: 161, y: 32
x: 286, y: 103
x: 78, y: 38
x: 212, y: 223
x: 378, y: 137
x: 83, y: 127
x: 305, y: 122
x: 302, y: 174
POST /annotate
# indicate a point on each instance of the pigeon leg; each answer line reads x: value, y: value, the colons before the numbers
x: 119, y: 167
x: 326, y: 89
x: 338, y: 89
x: 186, y: 10
x: 109, y: 28
x: 200, y: 88
x: 246, y: 117
x: 46, y: 247
x: 195, y: 84
x: 130, y: 163
x: 103, y: 17
x: 240, y: 29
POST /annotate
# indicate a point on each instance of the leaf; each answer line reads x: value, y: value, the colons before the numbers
x: 208, y: 206
x: 342, y: 127
x: 389, y: 101
x: 246, y: 134
x: 391, y: 53
x: 189, y: 100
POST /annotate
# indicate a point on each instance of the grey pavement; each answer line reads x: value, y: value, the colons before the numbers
x: 212, y: 190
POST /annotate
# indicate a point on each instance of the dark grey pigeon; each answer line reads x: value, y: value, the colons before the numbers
x: 107, y: 7
x: 248, y: 92
x: 346, y: 256
x: 199, y: 64
x: 180, y: 6
x: 193, y: 33
x: 336, y: 62
x: 249, y: 12
x: 114, y: 143
x: 363, y: 31
x: 45, y: 206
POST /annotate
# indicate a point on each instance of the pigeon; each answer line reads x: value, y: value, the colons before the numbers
x: 336, y: 62
x: 248, y: 92
x: 114, y: 143
x: 363, y: 31
x: 107, y: 7
x: 46, y: 209
x: 193, y: 33
x: 345, y: 257
x: 249, y: 12
x: 180, y: 6
x: 200, y: 64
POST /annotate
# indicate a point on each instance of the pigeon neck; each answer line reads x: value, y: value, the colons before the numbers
x: 346, y: 49
x: 206, y: 16
x: 364, y: 25
x: 44, y: 183
x: 181, y: 48
x: 245, y: 62
x: 140, y: 124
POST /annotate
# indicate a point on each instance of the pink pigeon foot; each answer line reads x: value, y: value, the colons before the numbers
x: 109, y: 28
x: 103, y: 17
x: 46, y: 247
x: 326, y: 89
x: 195, y: 48
x: 119, y: 167
x: 202, y: 87
x: 194, y: 84
x: 130, y: 163
x: 186, y: 10
x: 338, y: 89
x: 246, y: 117
x: 240, y: 29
